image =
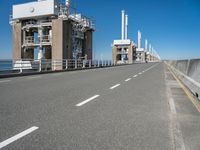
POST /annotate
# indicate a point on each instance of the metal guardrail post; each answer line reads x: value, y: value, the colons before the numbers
x: 40, y: 66
x: 84, y: 63
x: 90, y: 64
x: 66, y: 64
x: 95, y: 63
x: 75, y: 63
x: 21, y: 70
x: 52, y: 63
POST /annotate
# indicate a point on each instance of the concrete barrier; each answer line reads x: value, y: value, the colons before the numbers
x: 188, y: 71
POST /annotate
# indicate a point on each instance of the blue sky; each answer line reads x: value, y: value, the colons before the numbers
x: 172, y: 26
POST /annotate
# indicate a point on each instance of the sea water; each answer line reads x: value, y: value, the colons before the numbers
x: 5, y: 65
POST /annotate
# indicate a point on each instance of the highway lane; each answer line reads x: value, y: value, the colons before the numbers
x: 132, y: 115
x: 25, y: 95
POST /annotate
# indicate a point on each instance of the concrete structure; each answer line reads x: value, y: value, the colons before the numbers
x: 140, y: 52
x: 55, y: 32
x: 146, y: 54
x: 123, y: 51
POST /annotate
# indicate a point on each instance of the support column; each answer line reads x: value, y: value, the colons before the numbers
x: 87, y: 44
x: 57, y: 44
x: 130, y: 54
x: 17, y: 41
x: 114, y: 54
x: 61, y: 43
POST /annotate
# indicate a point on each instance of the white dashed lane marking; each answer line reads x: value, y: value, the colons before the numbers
x: 113, y: 87
x: 87, y: 100
x: 17, y: 137
x: 127, y: 79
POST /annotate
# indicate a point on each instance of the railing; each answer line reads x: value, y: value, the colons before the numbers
x: 45, y: 39
x: 44, y: 65
x: 188, y: 71
x: 29, y: 40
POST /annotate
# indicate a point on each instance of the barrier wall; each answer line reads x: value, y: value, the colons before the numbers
x: 188, y: 71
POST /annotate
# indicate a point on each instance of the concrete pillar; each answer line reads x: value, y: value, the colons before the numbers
x: 114, y: 54
x: 87, y: 44
x: 130, y: 54
x: 61, y: 42
x: 57, y: 43
x: 67, y: 40
x: 17, y: 41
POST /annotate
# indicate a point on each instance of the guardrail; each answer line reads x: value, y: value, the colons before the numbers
x: 188, y: 71
x: 45, y: 65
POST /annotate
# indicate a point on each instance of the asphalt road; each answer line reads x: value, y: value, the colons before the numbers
x: 119, y: 108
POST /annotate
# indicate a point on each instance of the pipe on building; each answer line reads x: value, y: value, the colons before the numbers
x: 123, y: 21
x: 146, y: 45
x: 139, y: 39
x: 126, y: 27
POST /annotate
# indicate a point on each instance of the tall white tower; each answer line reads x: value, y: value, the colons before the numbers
x: 146, y: 45
x: 123, y: 21
x: 139, y: 39
x: 126, y: 27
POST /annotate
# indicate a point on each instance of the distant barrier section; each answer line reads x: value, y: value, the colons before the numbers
x: 188, y: 71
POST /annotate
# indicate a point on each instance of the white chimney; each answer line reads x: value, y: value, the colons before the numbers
x: 146, y: 45
x: 150, y: 48
x: 139, y: 39
x: 126, y: 27
x: 123, y: 21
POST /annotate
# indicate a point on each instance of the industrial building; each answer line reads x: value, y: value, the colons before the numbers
x: 140, y: 52
x: 53, y: 29
x: 123, y: 50
x: 145, y: 54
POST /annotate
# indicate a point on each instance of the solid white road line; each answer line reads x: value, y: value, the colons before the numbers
x: 88, y: 100
x: 18, y: 136
x: 3, y: 81
x: 140, y: 73
x: 127, y: 79
x: 111, y: 88
x: 135, y: 76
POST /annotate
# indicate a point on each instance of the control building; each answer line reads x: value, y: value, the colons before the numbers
x: 123, y: 50
x: 140, y: 52
x: 53, y: 29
